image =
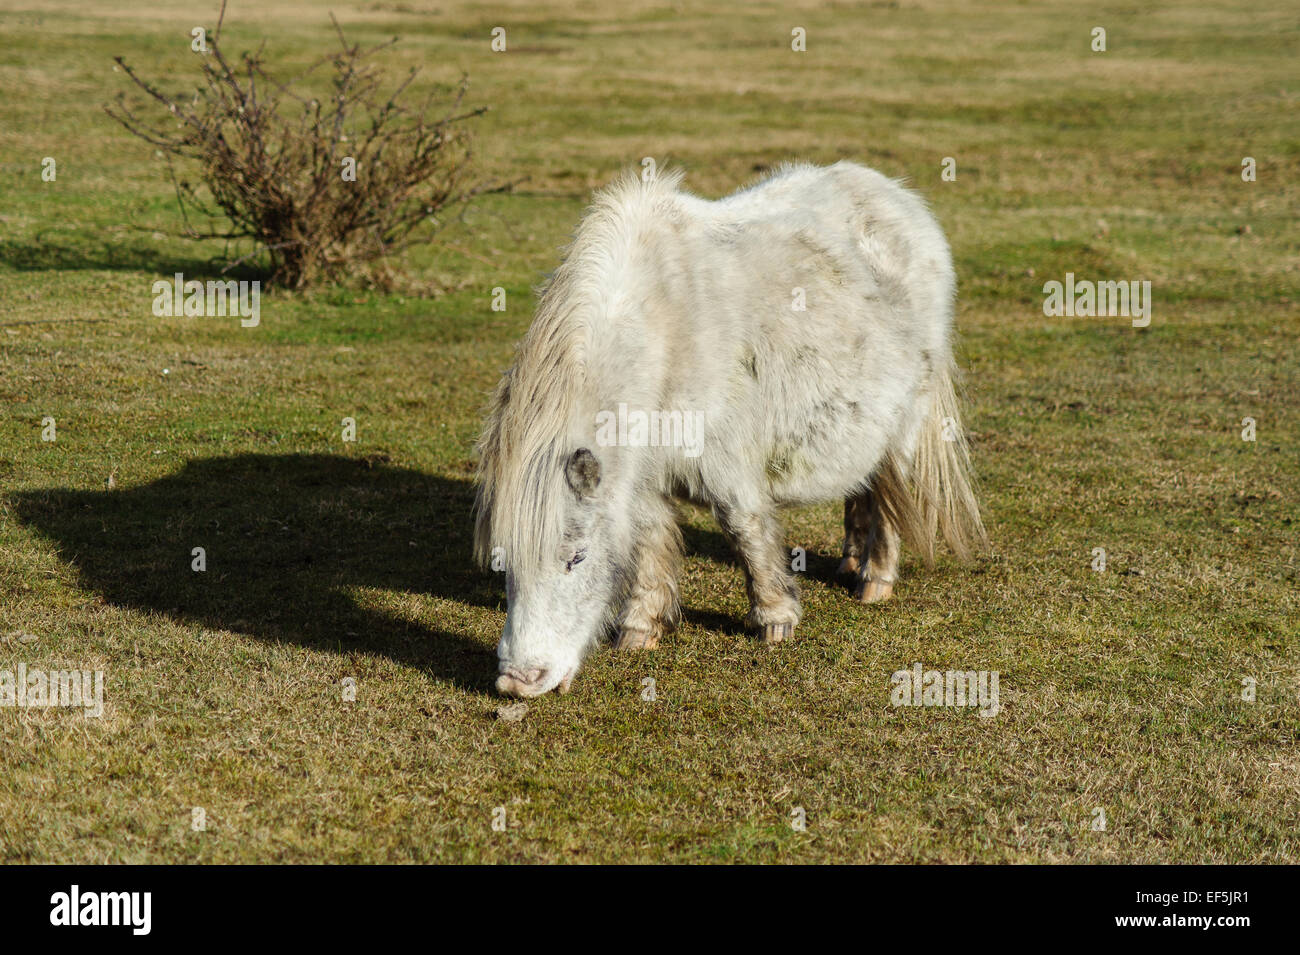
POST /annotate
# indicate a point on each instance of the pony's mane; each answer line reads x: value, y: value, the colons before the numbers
x: 526, y: 438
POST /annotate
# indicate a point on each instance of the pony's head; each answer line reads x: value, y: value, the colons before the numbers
x: 560, y: 594
x: 559, y: 518
x: 552, y: 513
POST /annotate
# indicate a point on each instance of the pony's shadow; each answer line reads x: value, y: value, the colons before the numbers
x: 285, y: 538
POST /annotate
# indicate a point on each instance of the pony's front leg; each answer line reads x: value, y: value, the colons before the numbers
x: 773, y: 594
x: 653, y: 608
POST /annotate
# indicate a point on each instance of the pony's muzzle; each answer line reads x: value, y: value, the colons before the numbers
x: 525, y: 683
x: 513, y: 682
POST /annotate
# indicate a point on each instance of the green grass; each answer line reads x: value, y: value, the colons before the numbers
x: 1120, y: 690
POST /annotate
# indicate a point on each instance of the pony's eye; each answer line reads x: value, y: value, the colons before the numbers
x: 577, y: 558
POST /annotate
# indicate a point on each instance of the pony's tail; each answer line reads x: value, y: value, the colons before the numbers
x: 934, y: 494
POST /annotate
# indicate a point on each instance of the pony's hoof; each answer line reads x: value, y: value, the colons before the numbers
x: 774, y: 633
x: 874, y: 591
x: 637, y: 640
x: 848, y: 567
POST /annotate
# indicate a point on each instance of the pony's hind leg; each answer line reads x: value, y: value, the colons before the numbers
x: 871, y: 545
x: 653, y: 608
x: 773, y: 595
x: 857, y: 514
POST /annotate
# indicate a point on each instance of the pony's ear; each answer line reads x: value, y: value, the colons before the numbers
x: 583, y: 472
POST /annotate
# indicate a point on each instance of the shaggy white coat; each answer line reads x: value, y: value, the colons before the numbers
x: 666, y: 301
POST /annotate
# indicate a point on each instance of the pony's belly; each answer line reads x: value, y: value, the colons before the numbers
x: 815, y: 472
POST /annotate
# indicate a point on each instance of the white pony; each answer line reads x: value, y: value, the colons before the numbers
x: 801, y: 325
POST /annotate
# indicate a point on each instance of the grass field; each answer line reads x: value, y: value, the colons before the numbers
x: 1121, y: 690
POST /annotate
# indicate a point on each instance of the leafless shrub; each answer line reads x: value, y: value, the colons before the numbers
x: 274, y: 162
